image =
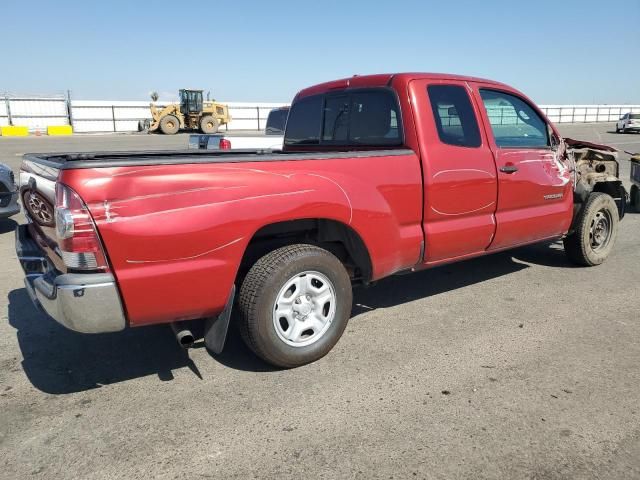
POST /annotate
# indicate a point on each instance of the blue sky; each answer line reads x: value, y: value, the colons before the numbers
x: 555, y: 51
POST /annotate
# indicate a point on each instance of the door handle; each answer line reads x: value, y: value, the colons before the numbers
x: 509, y: 169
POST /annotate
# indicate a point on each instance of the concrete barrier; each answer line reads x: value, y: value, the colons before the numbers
x: 60, y: 130
x: 14, y: 131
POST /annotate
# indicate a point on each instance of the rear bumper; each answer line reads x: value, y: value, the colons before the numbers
x: 83, y: 302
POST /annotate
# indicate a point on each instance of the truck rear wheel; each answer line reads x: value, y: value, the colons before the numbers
x: 208, y: 124
x: 596, y: 229
x: 294, y: 305
x: 170, y: 125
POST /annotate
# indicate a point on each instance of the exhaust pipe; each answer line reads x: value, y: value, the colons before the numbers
x: 183, y: 335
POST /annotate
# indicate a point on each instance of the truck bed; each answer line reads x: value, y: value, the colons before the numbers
x: 167, y: 218
x: 64, y: 161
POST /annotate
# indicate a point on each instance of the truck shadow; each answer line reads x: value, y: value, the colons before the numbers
x: 59, y: 361
x: 401, y: 289
x: 397, y: 290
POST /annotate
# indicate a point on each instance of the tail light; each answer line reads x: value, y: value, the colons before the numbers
x: 225, y: 144
x: 78, y: 238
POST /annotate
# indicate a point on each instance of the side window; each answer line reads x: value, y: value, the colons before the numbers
x: 453, y: 113
x: 513, y: 121
x: 305, y: 118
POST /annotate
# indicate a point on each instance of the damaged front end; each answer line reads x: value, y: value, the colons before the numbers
x: 595, y: 169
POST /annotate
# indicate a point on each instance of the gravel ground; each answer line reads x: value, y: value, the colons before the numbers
x: 516, y: 365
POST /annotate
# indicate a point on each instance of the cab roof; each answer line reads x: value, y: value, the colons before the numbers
x: 385, y: 79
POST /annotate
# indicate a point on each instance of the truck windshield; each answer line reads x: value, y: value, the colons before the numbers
x: 276, y: 121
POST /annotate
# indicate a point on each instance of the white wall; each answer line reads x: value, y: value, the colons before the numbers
x: 123, y: 116
x: 34, y: 112
x: 4, y: 120
x: 119, y: 116
x: 587, y: 113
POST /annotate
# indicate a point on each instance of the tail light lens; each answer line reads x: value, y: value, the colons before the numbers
x: 225, y: 144
x: 78, y: 238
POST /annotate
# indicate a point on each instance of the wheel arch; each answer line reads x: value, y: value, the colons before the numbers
x: 333, y: 235
x: 615, y: 190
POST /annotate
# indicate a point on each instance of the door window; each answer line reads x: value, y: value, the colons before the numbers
x: 513, y: 121
x: 455, y: 120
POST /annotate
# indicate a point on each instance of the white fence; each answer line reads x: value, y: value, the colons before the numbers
x: 34, y: 112
x: 118, y: 116
x: 111, y: 116
x: 587, y: 113
x: 123, y: 116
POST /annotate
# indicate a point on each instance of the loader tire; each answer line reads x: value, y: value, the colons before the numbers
x: 170, y: 125
x: 144, y: 125
x: 208, y: 124
x: 596, y: 229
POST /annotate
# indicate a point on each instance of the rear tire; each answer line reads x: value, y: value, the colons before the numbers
x: 208, y: 124
x: 634, y: 196
x: 294, y: 305
x: 170, y: 125
x: 596, y: 229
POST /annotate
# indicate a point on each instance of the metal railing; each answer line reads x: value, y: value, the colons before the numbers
x: 34, y: 110
x: 587, y: 113
x: 40, y: 112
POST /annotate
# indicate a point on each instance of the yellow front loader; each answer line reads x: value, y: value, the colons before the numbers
x: 192, y: 113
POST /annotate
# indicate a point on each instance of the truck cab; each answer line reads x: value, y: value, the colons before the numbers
x: 496, y: 173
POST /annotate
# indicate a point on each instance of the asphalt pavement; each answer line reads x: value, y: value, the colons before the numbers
x: 512, y: 366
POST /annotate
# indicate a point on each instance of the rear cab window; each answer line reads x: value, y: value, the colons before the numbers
x: 348, y: 118
x: 514, y: 123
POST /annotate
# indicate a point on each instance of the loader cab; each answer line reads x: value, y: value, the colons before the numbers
x: 190, y: 102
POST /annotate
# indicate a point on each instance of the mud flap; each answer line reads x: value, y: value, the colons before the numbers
x: 215, y: 328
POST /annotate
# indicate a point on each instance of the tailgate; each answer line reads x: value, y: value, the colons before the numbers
x: 37, y: 184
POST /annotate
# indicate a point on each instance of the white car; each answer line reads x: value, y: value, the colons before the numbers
x: 218, y: 141
x: 628, y: 122
x: 271, y: 140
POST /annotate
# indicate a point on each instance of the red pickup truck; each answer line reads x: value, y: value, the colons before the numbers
x: 379, y: 174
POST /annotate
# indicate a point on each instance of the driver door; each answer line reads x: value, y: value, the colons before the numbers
x: 535, y: 191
